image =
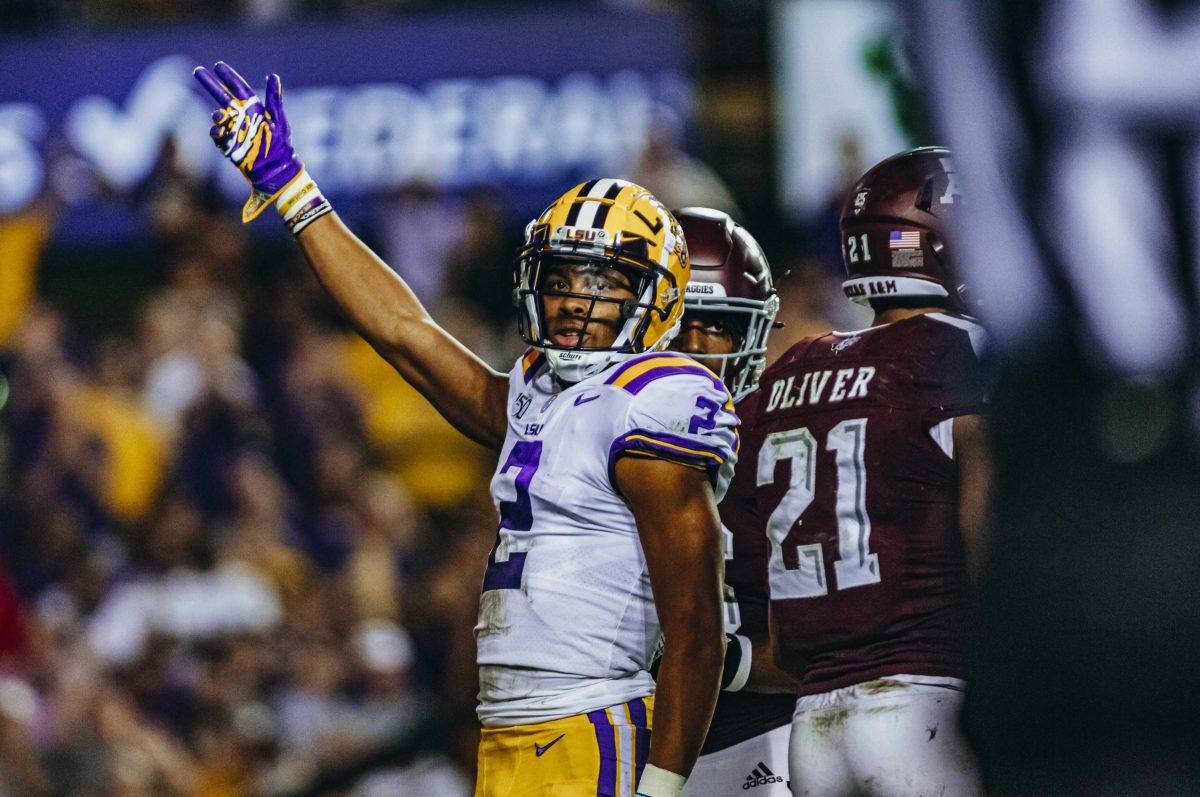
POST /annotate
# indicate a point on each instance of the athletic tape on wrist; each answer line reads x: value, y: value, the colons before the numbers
x: 656, y: 782
x: 301, y: 203
x: 742, y: 674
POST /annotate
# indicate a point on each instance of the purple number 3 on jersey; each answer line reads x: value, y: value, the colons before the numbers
x: 706, y: 419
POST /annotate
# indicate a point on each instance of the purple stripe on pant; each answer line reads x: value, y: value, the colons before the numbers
x: 641, y: 734
x: 606, y: 784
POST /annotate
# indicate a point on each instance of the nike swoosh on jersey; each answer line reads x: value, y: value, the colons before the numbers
x: 539, y: 749
x: 585, y: 399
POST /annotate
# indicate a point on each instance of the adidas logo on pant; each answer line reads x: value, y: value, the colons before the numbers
x: 761, y: 776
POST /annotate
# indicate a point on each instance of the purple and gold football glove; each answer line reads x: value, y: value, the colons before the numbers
x: 255, y: 136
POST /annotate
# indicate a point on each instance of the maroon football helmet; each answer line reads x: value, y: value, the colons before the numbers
x: 730, y: 279
x: 894, y: 226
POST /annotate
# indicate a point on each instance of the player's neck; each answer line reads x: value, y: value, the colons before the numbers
x: 894, y: 314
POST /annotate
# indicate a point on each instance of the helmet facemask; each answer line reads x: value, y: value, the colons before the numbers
x: 753, y: 319
x: 546, y: 254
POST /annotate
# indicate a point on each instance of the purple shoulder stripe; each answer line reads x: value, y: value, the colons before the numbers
x: 625, y: 366
x: 663, y: 445
x: 668, y: 441
x: 635, y: 385
x: 655, y: 372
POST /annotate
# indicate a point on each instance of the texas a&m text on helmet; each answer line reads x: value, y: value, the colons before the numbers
x: 731, y: 280
x: 894, y: 228
x: 611, y: 223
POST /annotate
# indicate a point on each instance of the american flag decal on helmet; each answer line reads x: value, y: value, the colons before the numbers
x: 904, y: 239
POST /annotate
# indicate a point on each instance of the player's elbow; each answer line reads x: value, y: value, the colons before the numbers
x: 695, y: 631
x: 691, y: 598
x: 703, y: 652
x: 404, y: 327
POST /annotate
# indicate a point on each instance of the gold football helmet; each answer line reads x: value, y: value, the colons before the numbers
x: 608, y: 223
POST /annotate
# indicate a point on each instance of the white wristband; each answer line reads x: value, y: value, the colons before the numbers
x: 300, y: 203
x: 743, y: 671
x: 657, y: 782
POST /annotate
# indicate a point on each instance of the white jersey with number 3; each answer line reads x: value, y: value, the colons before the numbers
x: 567, y: 622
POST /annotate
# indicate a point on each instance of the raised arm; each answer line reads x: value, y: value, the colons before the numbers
x: 254, y: 135
x: 680, y: 531
x: 469, y: 394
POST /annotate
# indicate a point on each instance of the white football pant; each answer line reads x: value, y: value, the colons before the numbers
x: 757, y: 767
x: 894, y: 737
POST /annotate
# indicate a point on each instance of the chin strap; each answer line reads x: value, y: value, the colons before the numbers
x: 586, y: 364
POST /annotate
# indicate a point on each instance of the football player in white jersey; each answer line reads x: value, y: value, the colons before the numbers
x: 613, y: 455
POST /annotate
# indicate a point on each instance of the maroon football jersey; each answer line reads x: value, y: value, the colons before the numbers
x: 743, y: 715
x: 856, y: 486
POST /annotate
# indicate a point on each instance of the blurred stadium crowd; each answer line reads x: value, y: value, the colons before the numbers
x: 239, y: 551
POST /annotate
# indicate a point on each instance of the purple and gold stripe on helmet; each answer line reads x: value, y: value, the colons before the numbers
x: 529, y: 364
x: 634, y: 376
x: 606, y: 781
